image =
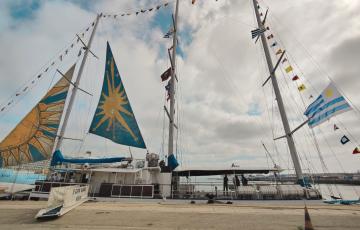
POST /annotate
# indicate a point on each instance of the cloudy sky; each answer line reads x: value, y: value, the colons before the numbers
x: 223, y: 112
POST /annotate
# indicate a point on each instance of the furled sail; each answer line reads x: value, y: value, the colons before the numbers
x: 33, y: 138
x: 58, y: 158
x: 114, y: 118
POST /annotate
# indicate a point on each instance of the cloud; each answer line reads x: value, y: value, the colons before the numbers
x: 223, y: 112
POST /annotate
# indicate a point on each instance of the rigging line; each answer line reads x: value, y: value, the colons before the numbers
x: 177, y: 113
x: 323, y: 165
x: 301, y: 96
x: 86, y: 122
x: 342, y: 93
x: 164, y: 124
x: 179, y: 109
x: 299, y: 112
x: 180, y: 112
x: 48, y: 63
x: 293, y: 99
x: 273, y: 125
x: 227, y: 75
x: 92, y: 86
x: 273, y: 102
x: 290, y: 57
x: 133, y: 10
x: 15, y: 102
x: 297, y: 109
x: 314, y: 61
x: 336, y: 118
x: 177, y: 130
x: 233, y: 85
x: 324, y: 73
x: 181, y: 125
x: 271, y: 118
x: 339, y: 162
x: 348, y: 132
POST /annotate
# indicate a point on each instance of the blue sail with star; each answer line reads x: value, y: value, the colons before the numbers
x: 114, y: 118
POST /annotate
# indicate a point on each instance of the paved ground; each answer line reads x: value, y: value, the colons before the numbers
x: 261, y: 215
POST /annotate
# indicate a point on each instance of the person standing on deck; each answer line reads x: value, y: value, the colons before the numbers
x: 236, y: 181
x: 226, y: 184
x: 244, y: 180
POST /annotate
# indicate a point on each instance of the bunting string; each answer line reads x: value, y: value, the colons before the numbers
x: 291, y: 72
x: 137, y: 12
x: 286, y: 65
x: 44, y: 70
x: 152, y: 9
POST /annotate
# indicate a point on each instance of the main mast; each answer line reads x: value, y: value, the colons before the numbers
x: 172, y: 84
x: 76, y: 85
x: 284, y: 119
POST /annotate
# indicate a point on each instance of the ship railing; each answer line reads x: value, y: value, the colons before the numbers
x: 252, y: 191
x: 43, y: 186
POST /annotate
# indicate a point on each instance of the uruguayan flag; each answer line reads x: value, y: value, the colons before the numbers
x: 328, y: 104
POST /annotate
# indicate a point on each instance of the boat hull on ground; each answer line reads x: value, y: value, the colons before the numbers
x: 62, y: 200
x: 344, y: 202
x: 8, y: 189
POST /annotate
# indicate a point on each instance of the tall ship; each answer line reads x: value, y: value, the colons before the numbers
x: 42, y: 135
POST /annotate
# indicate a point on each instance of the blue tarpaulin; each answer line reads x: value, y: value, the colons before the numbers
x: 58, y: 159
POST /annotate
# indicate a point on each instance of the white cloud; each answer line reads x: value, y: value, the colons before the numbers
x: 220, y: 75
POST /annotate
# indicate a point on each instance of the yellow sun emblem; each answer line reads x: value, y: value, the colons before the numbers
x: 329, y: 93
x: 113, y: 105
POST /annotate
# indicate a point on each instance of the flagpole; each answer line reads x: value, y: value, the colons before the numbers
x: 288, y: 134
x: 75, y: 88
x: 172, y: 84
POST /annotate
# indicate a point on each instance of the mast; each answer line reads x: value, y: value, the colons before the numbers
x: 75, y: 88
x: 172, y: 84
x: 284, y: 119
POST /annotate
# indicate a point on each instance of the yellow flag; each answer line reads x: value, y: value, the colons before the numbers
x: 278, y: 52
x: 301, y: 87
x: 288, y: 69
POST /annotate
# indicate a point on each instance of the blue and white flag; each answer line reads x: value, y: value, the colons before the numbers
x: 257, y: 32
x: 328, y: 104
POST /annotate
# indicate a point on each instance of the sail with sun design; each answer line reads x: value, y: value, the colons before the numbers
x: 33, y: 138
x: 114, y: 118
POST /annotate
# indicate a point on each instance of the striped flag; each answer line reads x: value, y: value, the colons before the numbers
x: 330, y: 103
x: 257, y: 32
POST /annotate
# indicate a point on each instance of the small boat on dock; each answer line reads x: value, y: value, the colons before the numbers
x: 63, y: 200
